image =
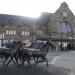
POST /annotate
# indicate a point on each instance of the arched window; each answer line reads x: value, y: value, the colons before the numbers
x: 64, y: 27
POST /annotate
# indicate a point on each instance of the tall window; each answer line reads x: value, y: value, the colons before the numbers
x: 10, y: 32
x: 25, y: 33
x: 14, y: 32
x: 22, y: 33
x: 64, y: 27
x: 7, y: 32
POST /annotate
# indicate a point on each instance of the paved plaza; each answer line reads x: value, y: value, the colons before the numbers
x: 40, y: 69
x: 67, y: 60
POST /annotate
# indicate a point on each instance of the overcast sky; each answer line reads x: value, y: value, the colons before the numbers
x: 32, y: 8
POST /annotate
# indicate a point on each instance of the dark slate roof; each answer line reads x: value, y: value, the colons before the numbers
x: 44, y: 18
x: 21, y: 20
x: 15, y: 20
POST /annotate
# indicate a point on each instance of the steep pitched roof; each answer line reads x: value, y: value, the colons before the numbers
x: 15, y: 20
x: 7, y: 19
x: 64, y: 8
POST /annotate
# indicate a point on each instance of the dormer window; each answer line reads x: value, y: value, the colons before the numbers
x: 11, y: 21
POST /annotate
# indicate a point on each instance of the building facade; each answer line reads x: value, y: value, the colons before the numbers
x: 58, y: 25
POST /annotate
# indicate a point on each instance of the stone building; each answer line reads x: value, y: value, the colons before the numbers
x: 62, y: 22
x: 62, y: 25
x: 15, y: 27
x: 58, y: 26
x: 22, y: 28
